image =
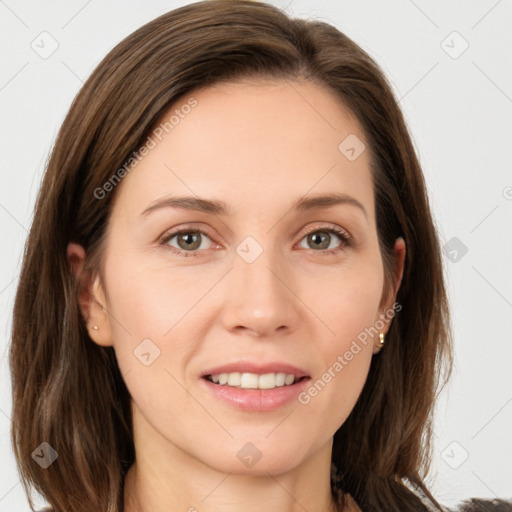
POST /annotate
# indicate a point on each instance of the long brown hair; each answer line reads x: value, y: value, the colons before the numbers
x: 68, y: 391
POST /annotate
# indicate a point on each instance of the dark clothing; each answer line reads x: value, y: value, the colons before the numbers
x: 470, y: 505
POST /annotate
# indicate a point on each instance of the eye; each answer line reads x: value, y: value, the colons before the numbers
x: 320, y: 237
x: 190, y: 241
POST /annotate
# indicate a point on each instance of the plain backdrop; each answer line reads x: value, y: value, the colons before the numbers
x: 450, y: 67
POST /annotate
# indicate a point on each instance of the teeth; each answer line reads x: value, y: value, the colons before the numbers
x: 234, y: 379
x: 249, y: 381
x: 253, y: 380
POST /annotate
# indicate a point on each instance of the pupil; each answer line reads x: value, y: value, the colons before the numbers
x: 189, y: 238
x: 319, y: 236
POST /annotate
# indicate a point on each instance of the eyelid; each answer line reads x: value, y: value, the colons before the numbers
x: 326, y: 226
x: 193, y: 226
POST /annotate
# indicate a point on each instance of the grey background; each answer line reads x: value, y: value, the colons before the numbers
x: 458, y: 105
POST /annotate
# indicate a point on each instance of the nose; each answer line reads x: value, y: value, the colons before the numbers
x: 260, y: 299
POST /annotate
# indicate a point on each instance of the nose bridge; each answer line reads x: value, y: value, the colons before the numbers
x: 259, y: 295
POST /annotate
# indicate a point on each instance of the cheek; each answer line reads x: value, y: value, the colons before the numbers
x: 347, y: 304
x: 148, y: 308
x: 155, y: 332
x: 346, y: 300
x: 153, y: 301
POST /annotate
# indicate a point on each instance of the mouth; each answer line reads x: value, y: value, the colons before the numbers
x: 264, y: 391
x: 246, y: 380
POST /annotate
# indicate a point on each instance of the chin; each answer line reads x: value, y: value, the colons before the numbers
x: 254, y: 457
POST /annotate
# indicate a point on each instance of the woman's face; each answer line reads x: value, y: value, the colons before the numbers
x: 263, y: 287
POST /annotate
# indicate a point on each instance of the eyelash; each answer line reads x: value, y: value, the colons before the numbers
x: 345, y: 238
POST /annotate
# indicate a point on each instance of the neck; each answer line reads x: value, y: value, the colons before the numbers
x: 166, y: 477
x: 144, y: 493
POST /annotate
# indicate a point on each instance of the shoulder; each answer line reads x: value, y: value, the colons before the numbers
x: 351, y: 504
x: 483, y: 505
x: 469, y: 505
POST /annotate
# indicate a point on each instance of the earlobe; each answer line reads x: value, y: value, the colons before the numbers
x: 91, y: 298
x: 399, y: 252
x: 377, y: 347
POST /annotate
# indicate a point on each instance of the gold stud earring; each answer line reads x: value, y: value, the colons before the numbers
x: 381, y: 336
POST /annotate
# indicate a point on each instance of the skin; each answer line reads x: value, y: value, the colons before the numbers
x: 258, y: 147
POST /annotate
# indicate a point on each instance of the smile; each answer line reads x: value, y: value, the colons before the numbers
x: 253, y: 380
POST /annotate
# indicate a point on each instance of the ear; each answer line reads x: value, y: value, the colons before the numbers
x: 91, y: 298
x: 399, y: 252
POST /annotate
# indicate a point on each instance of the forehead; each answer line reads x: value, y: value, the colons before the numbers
x: 252, y: 144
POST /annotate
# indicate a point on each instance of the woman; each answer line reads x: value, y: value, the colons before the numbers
x: 293, y: 361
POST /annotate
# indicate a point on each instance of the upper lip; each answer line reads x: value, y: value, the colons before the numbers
x: 258, y: 368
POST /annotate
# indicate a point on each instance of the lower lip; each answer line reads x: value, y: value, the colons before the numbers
x: 256, y: 399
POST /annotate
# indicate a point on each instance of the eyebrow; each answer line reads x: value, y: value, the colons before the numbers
x: 217, y: 207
